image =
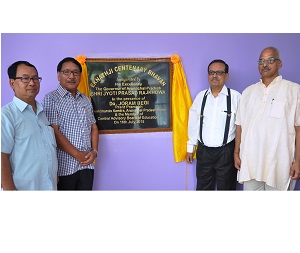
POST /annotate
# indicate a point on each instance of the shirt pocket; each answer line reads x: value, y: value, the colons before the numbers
x: 277, y: 109
x: 51, y: 136
x: 88, y: 113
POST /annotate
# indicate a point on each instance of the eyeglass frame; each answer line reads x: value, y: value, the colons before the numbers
x: 270, y: 60
x: 38, y: 79
x: 71, y: 72
x: 218, y: 72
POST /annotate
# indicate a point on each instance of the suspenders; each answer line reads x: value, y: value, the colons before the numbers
x: 201, y: 114
x: 227, y: 118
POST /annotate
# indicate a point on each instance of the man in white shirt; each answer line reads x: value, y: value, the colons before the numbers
x: 211, y: 127
x: 267, y: 152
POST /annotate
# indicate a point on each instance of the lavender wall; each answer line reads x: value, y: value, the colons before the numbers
x: 145, y: 161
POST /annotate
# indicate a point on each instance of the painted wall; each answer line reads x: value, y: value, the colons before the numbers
x: 144, y: 161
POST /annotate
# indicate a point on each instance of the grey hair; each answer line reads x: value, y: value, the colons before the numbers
x: 276, y: 51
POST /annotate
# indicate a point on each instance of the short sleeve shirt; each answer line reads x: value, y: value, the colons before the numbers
x: 30, y: 141
x: 74, y: 117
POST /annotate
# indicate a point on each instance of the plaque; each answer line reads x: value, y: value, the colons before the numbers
x: 131, y: 94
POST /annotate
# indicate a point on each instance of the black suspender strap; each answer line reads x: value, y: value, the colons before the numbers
x: 227, y: 118
x: 201, y: 114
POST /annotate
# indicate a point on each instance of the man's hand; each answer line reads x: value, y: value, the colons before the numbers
x: 189, y: 157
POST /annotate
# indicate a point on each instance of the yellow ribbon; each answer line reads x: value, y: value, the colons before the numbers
x: 83, y: 85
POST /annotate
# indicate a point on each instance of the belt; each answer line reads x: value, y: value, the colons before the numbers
x: 227, y: 144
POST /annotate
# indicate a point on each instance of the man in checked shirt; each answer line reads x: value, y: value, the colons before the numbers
x: 71, y: 115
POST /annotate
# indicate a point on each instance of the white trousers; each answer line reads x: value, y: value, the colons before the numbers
x: 254, y: 185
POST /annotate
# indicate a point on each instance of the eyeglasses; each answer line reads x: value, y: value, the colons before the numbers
x: 68, y: 72
x: 28, y: 79
x: 271, y: 60
x: 218, y: 72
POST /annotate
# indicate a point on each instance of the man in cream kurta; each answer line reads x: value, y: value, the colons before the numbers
x: 268, y: 129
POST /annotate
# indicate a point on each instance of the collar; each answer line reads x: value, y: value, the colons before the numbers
x: 275, y: 80
x: 63, y: 92
x: 21, y: 105
x: 224, y: 91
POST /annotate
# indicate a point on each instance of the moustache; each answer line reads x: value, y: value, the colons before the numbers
x: 266, y: 68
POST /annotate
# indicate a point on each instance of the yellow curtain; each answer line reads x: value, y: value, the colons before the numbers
x: 83, y: 85
x: 181, y: 103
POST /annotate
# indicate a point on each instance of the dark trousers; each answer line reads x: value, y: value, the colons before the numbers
x: 81, y: 180
x: 215, y: 166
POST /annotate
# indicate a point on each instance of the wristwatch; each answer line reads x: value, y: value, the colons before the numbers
x: 94, y: 150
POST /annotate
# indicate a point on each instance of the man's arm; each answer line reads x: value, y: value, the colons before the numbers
x: 95, y: 137
x: 91, y: 156
x: 236, y: 153
x: 7, y: 182
x: 295, y: 169
x: 64, y: 144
